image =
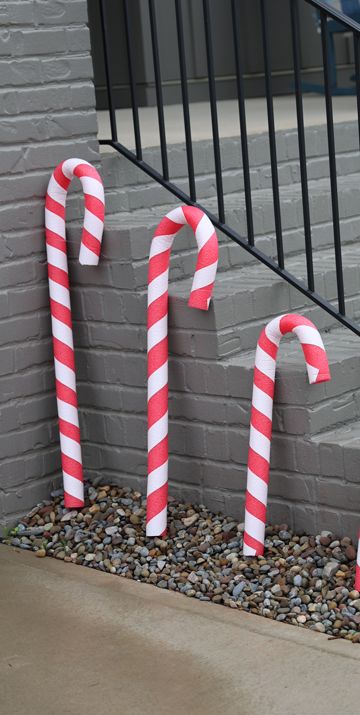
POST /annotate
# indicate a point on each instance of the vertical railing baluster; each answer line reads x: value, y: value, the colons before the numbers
x: 134, y: 104
x: 109, y: 90
x: 332, y: 163
x: 185, y: 99
x: 357, y: 75
x: 213, y: 109
x: 294, y: 12
x: 272, y: 138
x: 158, y: 87
x: 242, y: 119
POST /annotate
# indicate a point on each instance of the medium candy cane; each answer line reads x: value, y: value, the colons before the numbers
x: 60, y: 308
x: 261, y: 415
x: 205, y: 272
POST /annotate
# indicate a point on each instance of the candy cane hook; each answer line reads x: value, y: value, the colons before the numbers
x: 60, y: 308
x: 261, y: 415
x: 200, y: 295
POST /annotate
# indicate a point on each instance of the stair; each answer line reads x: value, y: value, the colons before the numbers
x: 314, y: 482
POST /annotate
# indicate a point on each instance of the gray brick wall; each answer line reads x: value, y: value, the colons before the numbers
x: 47, y: 108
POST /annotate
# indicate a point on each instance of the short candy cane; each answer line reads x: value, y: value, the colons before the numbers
x: 60, y: 308
x: 205, y: 272
x: 261, y: 415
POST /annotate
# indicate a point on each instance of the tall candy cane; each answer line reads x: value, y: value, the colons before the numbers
x: 205, y: 272
x: 261, y: 415
x: 60, y: 308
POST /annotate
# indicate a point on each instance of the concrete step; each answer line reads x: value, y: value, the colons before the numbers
x: 119, y: 173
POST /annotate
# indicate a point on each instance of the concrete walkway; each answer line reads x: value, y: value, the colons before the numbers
x: 344, y: 109
x: 77, y: 641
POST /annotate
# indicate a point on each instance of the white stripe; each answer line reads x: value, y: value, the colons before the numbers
x: 157, y: 524
x: 93, y: 224
x: 157, y: 478
x: 254, y: 527
x: 204, y: 276
x: 62, y: 332
x: 204, y: 231
x: 273, y: 332
x: 70, y: 448
x: 262, y: 402
x: 54, y: 223
x: 93, y: 187
x: 358, y: 555
x: 160, y: 244
x: 259, y: 443
x: 56, y: 192
x: 158, y: 431
x: 157, y: 332
x: 70, y: 165
x: 309, y: 335
x: 73, y: 486
x: 65, y: 375
x: 87, y: 257
x: 157, y: 380
x: 248, y: 550
x: 257, y: 487
x: 158, y: 286
x: 67, y: 412
x: 56, y: 258
x: 265, y: 363
x: 59, y: 293
x: 177, y: 215
x: 312, y: 373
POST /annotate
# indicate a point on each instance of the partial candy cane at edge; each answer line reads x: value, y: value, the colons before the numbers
x: 60, y: 308
x: 200, y: 295
x: 261, y: 415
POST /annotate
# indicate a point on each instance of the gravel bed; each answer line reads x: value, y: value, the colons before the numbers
x: 303, y: 580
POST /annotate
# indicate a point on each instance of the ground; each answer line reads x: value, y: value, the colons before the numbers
x: 76, y: 640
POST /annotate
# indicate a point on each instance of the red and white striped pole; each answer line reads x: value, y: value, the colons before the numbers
x: 60, y: 308
x: 357, y: 574
x: 261, y: 415
x: 200, y: 295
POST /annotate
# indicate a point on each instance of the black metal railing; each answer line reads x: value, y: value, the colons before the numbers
x: 325, y: 15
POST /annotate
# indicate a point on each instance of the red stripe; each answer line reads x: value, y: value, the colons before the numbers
x: 209, y: 253
x: 167, y: 227
x: 66, y: 394
x: 72, y: 467
x: 158, y: 264
x: 157, y: 309
x: 267, y: 345
x: 60, y: 312
x: 261, y: 422
x: 95, y: 206
x: 193, y: 216
x: 60, y: 177
x: 83, y: 169
x: 91, y: 242
x: 72, y: 502
x: 293, y: 320
x: 58, y: 275
x: 316, y: 357
x: 158, y: 455
x: 156, y: 501
x: 254, y: 544
x: 69, y: 430
x: 158, y: 406
x: 255, y: 507
x: 53, y: 239
x: 264, y: 383
x: 157, y: 356
x: 258, y: 465
x: 55, y: 207
x: 64, y: 354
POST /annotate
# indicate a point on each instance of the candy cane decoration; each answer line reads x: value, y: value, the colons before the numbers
x: 64, y: 359
x: 357, y: 574
x: 261, y: 415
x: 200, y: 296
